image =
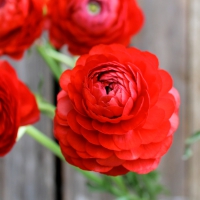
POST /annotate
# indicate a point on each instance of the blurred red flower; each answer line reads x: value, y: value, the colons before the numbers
x: 117, y: 111
x: 21, y: 22
x: 82, y: 24
x: 18, y: 107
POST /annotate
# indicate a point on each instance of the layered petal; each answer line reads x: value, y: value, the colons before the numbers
x: 117, y: 111
x: 18, y: 19
x: 82, y: 24
x: 17, y: 107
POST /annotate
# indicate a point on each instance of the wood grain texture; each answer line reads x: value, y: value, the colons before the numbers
x: 75, y: 188
x: 164, y: 34
x: 27, y: 173
x: 194, y: 95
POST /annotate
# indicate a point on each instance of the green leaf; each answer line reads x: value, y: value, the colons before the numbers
x: 51, y: 63
x: 193, y: 138
x: 123, y: 198
x: 69, y: 61
x: 45, y: 107
x: 187, y: 153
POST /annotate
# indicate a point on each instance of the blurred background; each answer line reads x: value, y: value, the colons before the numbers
x: 172, y: 32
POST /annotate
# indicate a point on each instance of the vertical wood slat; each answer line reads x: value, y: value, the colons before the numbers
x: 75, y: 188
x: 27, y: 172
x: 164, y: 34
x: 193, y: 182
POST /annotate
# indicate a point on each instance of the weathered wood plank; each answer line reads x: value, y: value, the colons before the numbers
x: 75, y: 188
x: 164, y: 34
x: 193, y: 181
x: 27, y: 173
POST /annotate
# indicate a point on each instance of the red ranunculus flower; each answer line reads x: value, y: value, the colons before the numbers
x: 17, y: 107
x: 21, y: 22
x: 117, y: 111
x: 82, y: 24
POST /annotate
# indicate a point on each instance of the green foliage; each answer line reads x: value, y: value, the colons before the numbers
x: 147, y: 186
x: 189, y: 142
x: 193, y: 138
x: 45, y: 107
x: 131, y: 186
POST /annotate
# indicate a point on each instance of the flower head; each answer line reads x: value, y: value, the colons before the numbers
x: 21, y: 22
x: 82, y: 24
x: 17, y: 107
x: 117, y: 111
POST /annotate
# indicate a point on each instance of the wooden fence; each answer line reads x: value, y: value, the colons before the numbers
x: 172, y: 32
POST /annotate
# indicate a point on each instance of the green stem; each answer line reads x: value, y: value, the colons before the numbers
x: 54, y: 148
x: 45, y: 107
x: 44, y: 140
x: 90, y: 176
x: 52, y: 64
x: 70, y: 62
x: 120, y: 183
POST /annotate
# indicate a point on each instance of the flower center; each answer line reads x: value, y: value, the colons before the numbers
x: 108, y: 89
x: 2, y: 3
x: 94, y: 7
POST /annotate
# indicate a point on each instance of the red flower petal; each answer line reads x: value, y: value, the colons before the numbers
x: 64, y: 105
x: 85, y: 122
x: 97, y: 151
x: 108, y: 128
x: 65, y: 79
x: 90, y: 136
x: 151, y: 59
x: 174, y: 120
x: 166, y: 82
x: 82, y: 59
x: 127, y: 141
x: 155, y: 118
x: 29, y: 109
x: 67, y: 150
x: 5, y: 66
x: 76, y: 141
x: 155, y: 135
x: 92, y: 165
x: 132, y: 154
x: 111, y: 161
x: 76, y: 98
x: 107, y: 142
x: 71, y: 119
x: 84, y: 154
x: 141, y: 166
x: 119, y: 170
x: 60, y: 132
x: 77, y: 163
x: 155, y: 150
x: 167, y: 105
x: 128, y: 107
x: 176, y: 95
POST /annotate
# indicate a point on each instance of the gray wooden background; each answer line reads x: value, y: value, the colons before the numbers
x: 172, y: 32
